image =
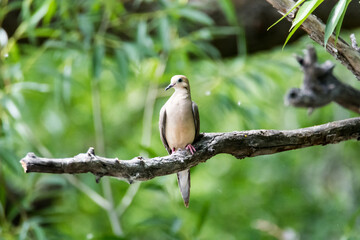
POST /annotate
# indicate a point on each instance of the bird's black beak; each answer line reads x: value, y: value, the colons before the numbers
x: 170, y: 86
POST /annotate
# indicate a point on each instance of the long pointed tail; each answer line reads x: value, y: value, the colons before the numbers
x: 184, y: 185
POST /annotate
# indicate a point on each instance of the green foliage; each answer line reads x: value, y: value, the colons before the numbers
x: 297, y: 4
x: 335, y: 19
x: 303, y: 13
x: 97, y: 78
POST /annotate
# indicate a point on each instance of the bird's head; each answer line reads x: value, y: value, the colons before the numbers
x: 179, y: 82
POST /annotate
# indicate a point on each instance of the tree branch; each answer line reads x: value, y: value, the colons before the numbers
x: 321, y: 87
x: 354, y: 43
x: 314, y: 27
x: 239, y: 144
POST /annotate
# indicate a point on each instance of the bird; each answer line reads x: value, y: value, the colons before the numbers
x: 179, y: 125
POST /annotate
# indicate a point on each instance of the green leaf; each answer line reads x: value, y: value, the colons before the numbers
x: 143, y: 38
x: 195, y: 16
x: 141, y: 34
x: 39, y: 14
x: 338, y: 27
x: 131, y: 51
x: 8, y: 157
x: 305, y: 10
x: 31, y: 22
x: 290, y: 34
x: 98, y: 55
x: 202, y: 216
x: 86, y: 27
x: 25, y: 10
x: 122, y: 63
x: 334, y: 18
x: 51, y: 11
x: 38, y: 231
x: 295, y: 6
x: 228, y: 9
x: 33, y: 86
x: 230, y: 13
x: 47, y: 32
x: 164, y: 33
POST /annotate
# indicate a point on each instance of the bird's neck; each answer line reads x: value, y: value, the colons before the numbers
x: 184, y: 93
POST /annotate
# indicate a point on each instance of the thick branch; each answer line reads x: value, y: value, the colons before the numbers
x: 321, y: 87
x: 314, y: 27
x: 239, y: 144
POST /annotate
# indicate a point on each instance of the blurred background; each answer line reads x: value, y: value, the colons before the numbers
x: 76, y: 74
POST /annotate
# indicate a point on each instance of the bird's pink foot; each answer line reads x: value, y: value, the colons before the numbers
x: 190, y: 148
x: 172, y: 150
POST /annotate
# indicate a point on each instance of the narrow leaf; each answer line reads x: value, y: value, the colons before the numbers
x: 32, y: 21
x: 295, y: 6
x: 338, y: 26
x: 122, y: 63
x: 302, y: 15
x: 305, y: 10
x: 164, y: 33
x: 290, y: 34
x: 98, y: 55
x: 9, y: 158
x: 228, y: 9
x: 86, y: 27
x: 51, y: 12
x: 333, y: 19
x: 195, y: 16
x: 39, y: 14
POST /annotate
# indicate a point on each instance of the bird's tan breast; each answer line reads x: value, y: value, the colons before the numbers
x: 180, y: 126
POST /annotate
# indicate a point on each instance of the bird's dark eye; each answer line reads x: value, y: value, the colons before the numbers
x: 180, y: 80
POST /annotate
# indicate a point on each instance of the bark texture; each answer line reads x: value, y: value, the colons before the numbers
x: 321, y: 87
x: 315, y: 28
x: 239, y: 144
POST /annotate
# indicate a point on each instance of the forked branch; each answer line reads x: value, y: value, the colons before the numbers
x: 239, y: 144
x: 320, y: 86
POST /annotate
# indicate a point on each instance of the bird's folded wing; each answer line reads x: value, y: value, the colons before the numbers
x: 162, y: 126
x: 195, y: 111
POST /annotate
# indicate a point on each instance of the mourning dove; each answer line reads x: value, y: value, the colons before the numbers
x: 179, y: 125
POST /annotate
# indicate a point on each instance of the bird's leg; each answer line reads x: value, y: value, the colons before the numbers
x: 172, y: 150
x: 190, y: 148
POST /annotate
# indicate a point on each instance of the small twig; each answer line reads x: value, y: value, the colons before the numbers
x: 239, y: 144
x: 128, y: 198
x: 113, y: 217
x: 97, y: 198
x: 354, y: 43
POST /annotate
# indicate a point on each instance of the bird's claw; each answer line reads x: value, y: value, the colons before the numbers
x: 190, y: 148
